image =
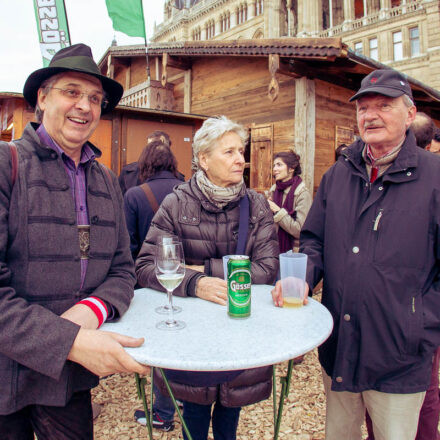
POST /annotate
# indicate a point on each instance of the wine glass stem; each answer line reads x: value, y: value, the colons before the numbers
x: 171, y: 311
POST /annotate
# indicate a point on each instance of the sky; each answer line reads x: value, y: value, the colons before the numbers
x: 89, y: 23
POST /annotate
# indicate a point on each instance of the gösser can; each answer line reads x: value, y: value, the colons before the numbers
x: 239, y: 286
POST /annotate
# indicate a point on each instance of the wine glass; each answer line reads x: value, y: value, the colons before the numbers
x: 167, y: 239
x: 170, y: 270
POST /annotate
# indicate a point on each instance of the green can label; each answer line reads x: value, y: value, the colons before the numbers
x: 239, y: 286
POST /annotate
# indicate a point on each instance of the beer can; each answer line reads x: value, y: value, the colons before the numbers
x: 239, y: 286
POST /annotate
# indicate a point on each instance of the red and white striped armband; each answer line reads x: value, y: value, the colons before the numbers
x: 98, y: 307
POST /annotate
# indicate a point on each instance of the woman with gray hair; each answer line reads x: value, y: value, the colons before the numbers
x: 205, y: 214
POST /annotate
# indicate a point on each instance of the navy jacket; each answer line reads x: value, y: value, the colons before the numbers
x: 377, y: 248
x: 138, y: 212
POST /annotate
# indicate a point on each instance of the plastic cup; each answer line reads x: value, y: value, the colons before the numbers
x: 293, y: 278
x: 225, y: 266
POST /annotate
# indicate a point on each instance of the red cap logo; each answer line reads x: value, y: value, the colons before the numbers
x: 373, y: 80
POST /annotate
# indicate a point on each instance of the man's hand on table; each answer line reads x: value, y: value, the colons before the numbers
x: 277, y: 294
x: 212, y: 289
x: 103, y: 353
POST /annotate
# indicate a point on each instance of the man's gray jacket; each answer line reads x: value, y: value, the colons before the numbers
x: 40, y: 271
x: 378, y: 248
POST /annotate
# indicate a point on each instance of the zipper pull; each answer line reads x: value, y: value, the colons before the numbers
x: 376, y: 222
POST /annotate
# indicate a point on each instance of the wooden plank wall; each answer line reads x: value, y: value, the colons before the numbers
x: 240, y: 92
x: 332, y: 109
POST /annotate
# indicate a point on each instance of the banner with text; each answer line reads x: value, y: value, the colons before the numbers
x: 53, y: 28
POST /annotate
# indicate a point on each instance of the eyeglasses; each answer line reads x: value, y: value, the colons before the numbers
x: 75, y: 96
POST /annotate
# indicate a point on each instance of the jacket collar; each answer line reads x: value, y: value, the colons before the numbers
x: 44, y: 152
x: 404, y: 168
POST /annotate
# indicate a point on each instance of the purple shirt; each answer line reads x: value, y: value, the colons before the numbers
x: 78, y: 182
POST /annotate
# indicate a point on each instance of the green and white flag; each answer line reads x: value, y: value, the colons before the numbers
x: 127, y: 17
x: 53, y: 29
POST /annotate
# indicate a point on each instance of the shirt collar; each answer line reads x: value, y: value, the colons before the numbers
x: 86, y: 151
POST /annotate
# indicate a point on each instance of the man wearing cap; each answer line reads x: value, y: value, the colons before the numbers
x: 65, y: 264
x: 373, y: 236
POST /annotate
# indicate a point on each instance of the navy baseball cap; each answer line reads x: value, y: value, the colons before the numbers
x: 386, y: 82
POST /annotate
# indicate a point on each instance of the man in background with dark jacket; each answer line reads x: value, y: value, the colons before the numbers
x: 130, y: 173
x: 373, y: 235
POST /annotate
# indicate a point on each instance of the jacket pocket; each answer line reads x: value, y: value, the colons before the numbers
x: 415, y: 325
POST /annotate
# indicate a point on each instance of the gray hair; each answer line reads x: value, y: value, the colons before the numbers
x: 45, y: 86
x: 407, y: 101
x: 210, y: 132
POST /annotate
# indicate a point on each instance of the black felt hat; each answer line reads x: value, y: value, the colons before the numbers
x: 75, y: 58
x: 386, y: 82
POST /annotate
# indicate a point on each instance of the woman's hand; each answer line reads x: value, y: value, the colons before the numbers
x: 212, y: 289
x: 277, y: 294
x: 273, y: 206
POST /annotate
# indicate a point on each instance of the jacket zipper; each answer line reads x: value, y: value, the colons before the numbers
x: 377, y: 220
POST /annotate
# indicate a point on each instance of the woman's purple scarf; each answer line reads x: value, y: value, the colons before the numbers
x: 284, y: 238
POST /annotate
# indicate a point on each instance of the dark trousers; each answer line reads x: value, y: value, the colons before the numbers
x: 429, y: 413
x: 224, y: 421
x: 71, y: 422
x: 163, y: 405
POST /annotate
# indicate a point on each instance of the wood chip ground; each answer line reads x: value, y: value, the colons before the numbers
x: 303, y: 414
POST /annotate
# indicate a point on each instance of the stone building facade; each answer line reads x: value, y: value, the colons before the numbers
x: 403, y: 34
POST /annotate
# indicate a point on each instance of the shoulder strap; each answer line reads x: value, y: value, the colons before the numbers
x: 243, y: 226
x: 14, y: 161
x: 150, y: 196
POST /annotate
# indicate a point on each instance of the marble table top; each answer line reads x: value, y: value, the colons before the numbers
x: 212, y: 341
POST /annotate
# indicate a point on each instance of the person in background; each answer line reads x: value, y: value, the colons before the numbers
x: 339, y: 150
x: 65, y: 263
x: 434, y: 147
x: 289, y: 199
x: 423, y: 127
x: 157, y: 171
x: 130, y: 173
x: 204, y: 213
x: 373, y: 235
x: 158, y: 168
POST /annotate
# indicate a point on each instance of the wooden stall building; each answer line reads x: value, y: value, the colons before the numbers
x: 120, y: 135
x: 289, y: 92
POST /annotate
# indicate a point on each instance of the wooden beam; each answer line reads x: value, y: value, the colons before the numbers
x: 187, y: 92
x: 178, y: 63
x: 157, y: 69
x: 116, y: 154
x: 286, y: 69
x: 176, y: 77
x: 127, y: 77
x: 305, y: 128
x: 17, y: 117
x: 274, y: 87
x: 164, y: 69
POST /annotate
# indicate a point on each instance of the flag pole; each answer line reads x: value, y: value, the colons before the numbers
x: 145, y: 39
x: 67, y: 22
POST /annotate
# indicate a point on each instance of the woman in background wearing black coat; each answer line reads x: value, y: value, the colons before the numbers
x: 158, y: 169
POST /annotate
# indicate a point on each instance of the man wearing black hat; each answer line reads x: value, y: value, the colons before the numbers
x: 373, y: 236
x: 65, y: 263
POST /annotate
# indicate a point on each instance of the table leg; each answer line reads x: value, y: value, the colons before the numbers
x: 285, y: 386
x: 179, y: 413
x: 140, y: 387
